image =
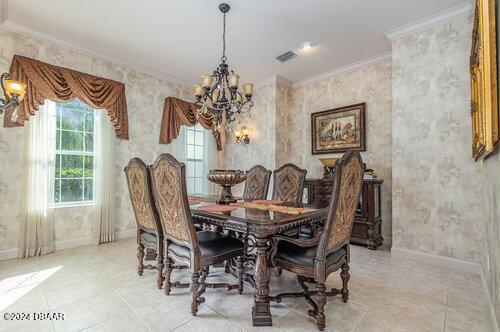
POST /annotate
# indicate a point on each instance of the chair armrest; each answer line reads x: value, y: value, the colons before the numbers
x: 299, y: 242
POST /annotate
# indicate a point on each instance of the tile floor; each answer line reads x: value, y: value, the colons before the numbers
x: 97, y: 289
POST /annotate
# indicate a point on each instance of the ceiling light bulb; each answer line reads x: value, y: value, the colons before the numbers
x: 307, y: 45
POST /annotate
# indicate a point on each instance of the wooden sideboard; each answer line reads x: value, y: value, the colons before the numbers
x: 367, y: 222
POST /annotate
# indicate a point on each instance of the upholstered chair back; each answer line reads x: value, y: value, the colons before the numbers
x: 139, y: 189
x: 168, y: 177
x: 347, y: 183
x: 257, y: 183
x: 289, y: 183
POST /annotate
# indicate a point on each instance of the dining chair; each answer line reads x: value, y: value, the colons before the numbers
x: 289, y: 183
x: 257, y: 183
x: 183, y: 244
x: 313, y: 260
x: 149, y: 231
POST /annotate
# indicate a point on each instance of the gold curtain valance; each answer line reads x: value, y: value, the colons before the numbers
x: 45, y: 81
x: 177, y: 112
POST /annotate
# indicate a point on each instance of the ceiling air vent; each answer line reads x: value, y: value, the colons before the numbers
x: 286, y: 56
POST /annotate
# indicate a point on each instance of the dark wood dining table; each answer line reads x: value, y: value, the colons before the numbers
x: 262, y: 225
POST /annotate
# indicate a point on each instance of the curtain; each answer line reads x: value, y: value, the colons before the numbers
x: 37, y: 219
x: 177, y: 112
x: 45, y: 81
x: 209, y: 163
x: 103, y: 228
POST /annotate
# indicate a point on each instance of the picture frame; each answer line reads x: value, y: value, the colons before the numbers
x: 484, y: 81
x: 338, y: 130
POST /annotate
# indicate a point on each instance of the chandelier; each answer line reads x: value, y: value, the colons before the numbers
x: 218, y: 97
x: 13, y: 92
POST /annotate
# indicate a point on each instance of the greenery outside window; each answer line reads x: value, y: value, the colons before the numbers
x: 74, y: 162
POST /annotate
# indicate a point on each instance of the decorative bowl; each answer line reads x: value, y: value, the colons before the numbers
x: 226, y: 179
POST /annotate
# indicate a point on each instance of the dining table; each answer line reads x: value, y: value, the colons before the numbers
x: 261, y: 224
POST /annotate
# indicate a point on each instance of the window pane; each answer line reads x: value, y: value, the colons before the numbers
x: 71, y: 166
x: 58, y: 139
x: 199, y: 138
x: 57, y: 192
x: 89, y: 166
x: 57, y: 166
x: 72, y: 119
x: 89, y: 122
x: 72, y: 141
x: 190, y: 152
x: 198, y: 152
x: 190, y: 136
x: 190, y: 185
x: 89, y: 142
x: 190, y: 168
x: 88, y: 189
x: 198, y: 185
x: 71, y: 190
x: 198, y: 171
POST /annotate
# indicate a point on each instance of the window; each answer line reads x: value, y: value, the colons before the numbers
x: 195, y: 151
x: 74, y: 162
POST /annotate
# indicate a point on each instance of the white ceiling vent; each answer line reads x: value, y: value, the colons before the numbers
x: 286, y: 56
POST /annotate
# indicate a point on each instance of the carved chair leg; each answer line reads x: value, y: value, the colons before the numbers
x: 307, y: 295
x: 344, y: 274
x: 240, y: 269
x: 321, y: 301
x: 167, y: 272
x: 195, y: 287
x: 159, y: 266
x: 140, y: 257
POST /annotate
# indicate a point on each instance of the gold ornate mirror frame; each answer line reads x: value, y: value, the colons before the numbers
x: 483, y: 71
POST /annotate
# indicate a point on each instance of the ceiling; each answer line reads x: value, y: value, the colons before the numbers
x: 183, y: 38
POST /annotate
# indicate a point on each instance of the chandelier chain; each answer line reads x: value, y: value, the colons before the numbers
x: 224, y: 58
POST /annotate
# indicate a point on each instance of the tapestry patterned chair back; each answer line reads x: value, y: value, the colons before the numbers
x: 289, y: 183
x: 168, y: 177
x: 139, y: 189
x: 347, y: 184
x: 257, y: 183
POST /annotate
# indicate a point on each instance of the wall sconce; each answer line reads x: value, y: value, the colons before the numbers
x: 242, y: 136
x: 13, y: 92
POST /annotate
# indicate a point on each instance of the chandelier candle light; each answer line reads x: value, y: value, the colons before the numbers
x: 14, y: 92
x: 217, y: 95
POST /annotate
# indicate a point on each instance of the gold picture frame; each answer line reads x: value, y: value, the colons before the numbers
x: 483, y: 72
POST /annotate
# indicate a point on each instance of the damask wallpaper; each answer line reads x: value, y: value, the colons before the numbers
x: 371, y: 84
x: 145, y: 96
x: 437, y: 199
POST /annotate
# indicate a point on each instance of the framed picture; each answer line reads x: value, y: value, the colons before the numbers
x: 338, y: 130
x: 483, y: 72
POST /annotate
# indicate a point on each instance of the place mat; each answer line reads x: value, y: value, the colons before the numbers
x: 266, y: 201
x: 272, y: 207
x: 193, y: 200
x: 216, y: 208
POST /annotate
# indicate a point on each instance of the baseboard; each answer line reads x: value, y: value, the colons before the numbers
x: 126, y: 233
x: 73, y: 243
x: 9, y: 254
x: 451, y: 263
x: 493, y: 318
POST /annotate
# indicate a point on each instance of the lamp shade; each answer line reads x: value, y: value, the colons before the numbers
x: 15, y: 87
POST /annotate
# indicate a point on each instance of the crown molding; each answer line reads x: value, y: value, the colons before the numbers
x: 24, y: 30
x: 345, y: 69
x: 431, y: 21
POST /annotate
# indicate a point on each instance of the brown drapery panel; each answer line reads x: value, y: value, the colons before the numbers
x: 177, y: 112
x: 59, y: 84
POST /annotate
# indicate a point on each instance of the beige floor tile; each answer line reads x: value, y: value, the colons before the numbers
x: 124, y: 322
x: 71, y: 291
x: 210, y: 322
x: 170, y: 312
x: 457, y: 320
x: 89, y: 312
